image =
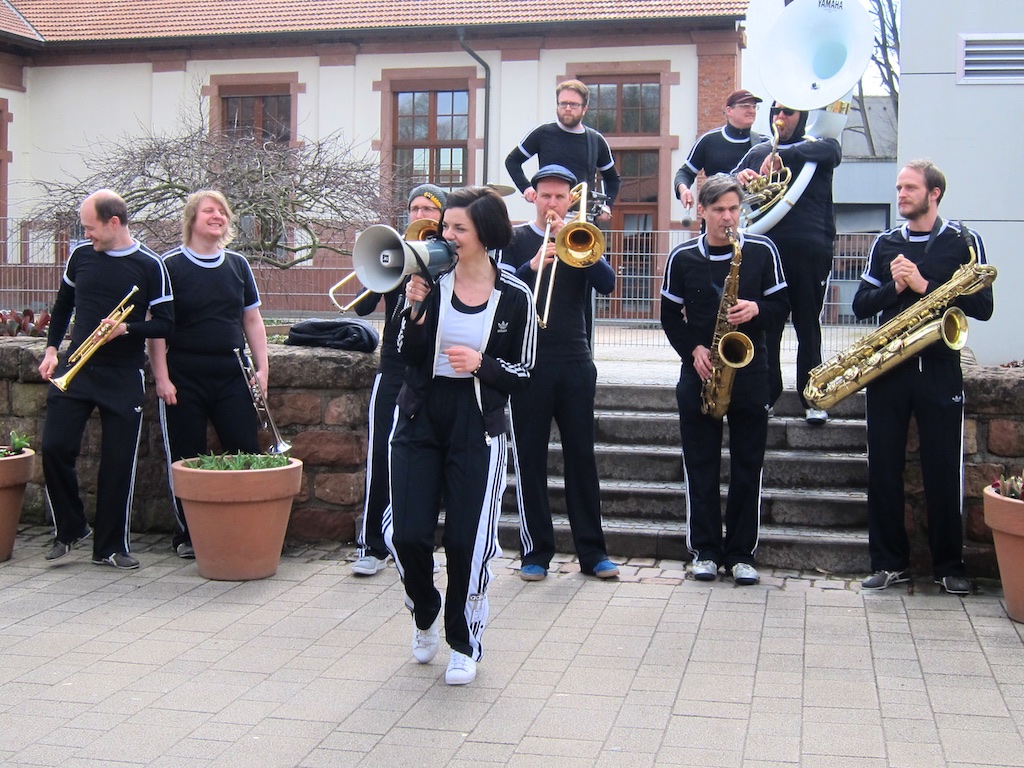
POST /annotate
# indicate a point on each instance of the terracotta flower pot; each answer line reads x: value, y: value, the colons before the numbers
x: 15, y: 472
x: 1005, y: 516
x: 237, y: 518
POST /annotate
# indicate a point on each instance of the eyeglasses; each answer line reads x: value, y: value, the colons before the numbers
x: 786, y: 111
x: 570, y: 105
x: 745, y: 105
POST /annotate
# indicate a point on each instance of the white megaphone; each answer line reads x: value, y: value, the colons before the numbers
x: 382, y: 261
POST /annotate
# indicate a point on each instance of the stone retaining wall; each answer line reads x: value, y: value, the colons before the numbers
x: 318, y: 399
x: 319, y: 402
x: 993, y: 445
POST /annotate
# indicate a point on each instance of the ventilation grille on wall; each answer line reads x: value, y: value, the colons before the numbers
x: 991, y: 59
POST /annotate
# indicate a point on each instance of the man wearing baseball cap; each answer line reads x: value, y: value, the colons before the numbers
x: 719, y: 150
x: 425, y: 202
x: 563, y: 385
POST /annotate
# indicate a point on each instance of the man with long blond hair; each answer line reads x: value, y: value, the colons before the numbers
x: 197, y: 375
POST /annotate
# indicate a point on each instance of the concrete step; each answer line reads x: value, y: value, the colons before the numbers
x: 661, y: 428
x: 654, y: 398
x: 632, y: 500
x: 782, y: 468
x: 828, y: 551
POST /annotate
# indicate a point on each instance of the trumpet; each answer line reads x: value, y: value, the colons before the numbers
x: 259, y: 402
x: 96, y: 339
x: 578, y: 244
x: 417, y: 231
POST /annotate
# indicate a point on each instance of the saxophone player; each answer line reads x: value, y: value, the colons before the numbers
x: 906, y: 264
x: 692, y: 306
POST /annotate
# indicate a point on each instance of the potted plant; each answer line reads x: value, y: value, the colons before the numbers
x: 1004, y: 514
x: 237, y: 507
x: 16, y: 463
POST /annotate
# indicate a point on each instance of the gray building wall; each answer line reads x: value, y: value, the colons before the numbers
x: 972, y: 130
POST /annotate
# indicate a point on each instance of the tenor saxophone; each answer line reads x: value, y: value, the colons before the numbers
x: 924, y: 322
x: 730, y: 349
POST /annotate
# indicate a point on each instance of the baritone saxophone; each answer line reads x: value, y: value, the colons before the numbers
x: 924, y: 322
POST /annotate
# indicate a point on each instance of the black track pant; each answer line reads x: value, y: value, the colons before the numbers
x: 443, y: 454
x: 118, y: 394
x: 702, y: 459
x: 563, y: 392
x: 807, y: 267
x: 210, y: 389
x: 370, y: 537
x: 931, y: 390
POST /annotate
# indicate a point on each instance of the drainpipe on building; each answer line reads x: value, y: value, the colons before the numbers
x: 487, y: 100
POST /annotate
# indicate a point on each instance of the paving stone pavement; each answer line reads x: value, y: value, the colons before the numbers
x: 160, y: 667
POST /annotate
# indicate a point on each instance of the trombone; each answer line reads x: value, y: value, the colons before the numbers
x: 417, y: 231
x: 578, y: 244
x: 96, y: 340
x: 259, y: 402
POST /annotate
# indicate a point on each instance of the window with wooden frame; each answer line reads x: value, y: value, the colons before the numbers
x: 431, y: 138
x: 261, y: 107
x: 626, y: 105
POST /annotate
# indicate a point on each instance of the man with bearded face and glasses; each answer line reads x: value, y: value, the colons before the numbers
x: 567, y: 142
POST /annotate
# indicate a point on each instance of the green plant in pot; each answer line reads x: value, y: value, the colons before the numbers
x: 17, y: 462
x: 237, y: 507
x: 1004, y: 514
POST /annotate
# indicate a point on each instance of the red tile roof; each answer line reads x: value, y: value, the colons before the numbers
x: 96, y: 20
x: 12, y: 23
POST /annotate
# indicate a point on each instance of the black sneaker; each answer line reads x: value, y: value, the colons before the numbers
x: 186, y: 551
x: 881, y: 579
x: 955, y: 585
x: 118, y: 560
x: 60, y: 548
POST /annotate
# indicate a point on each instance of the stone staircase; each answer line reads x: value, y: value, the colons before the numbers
x: 814, y: 502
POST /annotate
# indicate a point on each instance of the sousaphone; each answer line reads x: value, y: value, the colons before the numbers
x: 828, y: 45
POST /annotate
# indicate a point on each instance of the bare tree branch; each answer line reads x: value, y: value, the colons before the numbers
x: 291, y: 201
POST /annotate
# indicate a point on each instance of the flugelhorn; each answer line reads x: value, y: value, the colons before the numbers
x: 96, y: 339
x: 259, y: 402
x: 578, y: 244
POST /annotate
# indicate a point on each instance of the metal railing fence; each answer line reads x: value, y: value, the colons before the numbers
x: 33, y: 260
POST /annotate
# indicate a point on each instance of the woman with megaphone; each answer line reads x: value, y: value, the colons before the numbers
x: 468, y: 347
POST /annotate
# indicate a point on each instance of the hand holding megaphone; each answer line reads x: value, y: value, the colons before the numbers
x: 416, y: 290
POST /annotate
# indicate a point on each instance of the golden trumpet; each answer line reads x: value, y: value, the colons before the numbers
x: 96, y: 340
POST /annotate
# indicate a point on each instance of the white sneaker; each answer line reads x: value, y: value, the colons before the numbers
x: 461, y: 669
x: 368, y: 565
x: 704, y: 570
x: 816, y: 416
x: 425, y: 642
x: 745, y: 574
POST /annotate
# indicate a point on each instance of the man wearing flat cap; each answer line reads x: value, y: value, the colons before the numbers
x: 719, y: 150
x: 563, y: 385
